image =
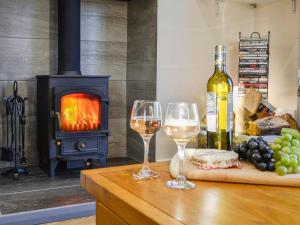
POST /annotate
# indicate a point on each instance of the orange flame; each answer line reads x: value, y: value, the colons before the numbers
x: 80, y: 112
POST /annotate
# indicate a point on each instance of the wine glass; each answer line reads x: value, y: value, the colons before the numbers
x: 181, y: 123
x: 146, y: 120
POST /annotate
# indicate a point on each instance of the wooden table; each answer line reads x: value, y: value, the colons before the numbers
x: 121, y: 200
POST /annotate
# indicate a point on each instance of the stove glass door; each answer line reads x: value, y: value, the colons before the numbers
x: 80, y: 112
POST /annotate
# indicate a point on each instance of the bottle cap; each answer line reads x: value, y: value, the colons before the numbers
x: 220, y: 49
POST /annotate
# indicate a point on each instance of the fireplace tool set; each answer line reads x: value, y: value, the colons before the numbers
x: 15, y: 133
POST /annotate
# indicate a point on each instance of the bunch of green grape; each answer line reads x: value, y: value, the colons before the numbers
x: 287, y: 152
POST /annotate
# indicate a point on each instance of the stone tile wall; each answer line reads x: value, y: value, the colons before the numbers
x: 141, y: 66
x: 28, y: 47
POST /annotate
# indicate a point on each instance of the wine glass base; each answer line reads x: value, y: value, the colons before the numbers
x: 145, y: 174
x: 183, y: 185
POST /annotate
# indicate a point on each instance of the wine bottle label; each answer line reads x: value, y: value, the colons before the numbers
x: 211, y: 112
x: 229, y: 112
x: 218, y: 118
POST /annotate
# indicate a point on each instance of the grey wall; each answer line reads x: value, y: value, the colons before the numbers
x: 104, y: 51
x: 28, y: 47
x: 141, y: 65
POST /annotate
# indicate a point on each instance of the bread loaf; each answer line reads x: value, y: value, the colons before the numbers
x: 215, y: 159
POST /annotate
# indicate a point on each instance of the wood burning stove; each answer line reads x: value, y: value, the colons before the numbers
x: 72, y: 110
x: 72, y: 117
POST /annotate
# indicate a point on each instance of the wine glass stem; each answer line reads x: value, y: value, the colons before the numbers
x: 146, y: 141
x: 181, y: 147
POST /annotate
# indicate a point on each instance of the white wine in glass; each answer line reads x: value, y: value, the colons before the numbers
x: 181, y: 130
x: 145, y: 126
x: 146, y: 120
x: 182, y: 124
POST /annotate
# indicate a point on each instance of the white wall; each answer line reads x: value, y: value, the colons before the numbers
x: 187, y: 33
x: 278, y: 18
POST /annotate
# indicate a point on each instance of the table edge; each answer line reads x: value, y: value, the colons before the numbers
x: 122, y: 194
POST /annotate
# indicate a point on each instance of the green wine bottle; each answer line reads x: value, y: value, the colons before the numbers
x: 219, y: 104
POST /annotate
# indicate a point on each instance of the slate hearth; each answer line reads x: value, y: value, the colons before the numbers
x: 38, y: 191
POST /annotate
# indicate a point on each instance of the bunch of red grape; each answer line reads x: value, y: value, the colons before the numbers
x: 258, y: 152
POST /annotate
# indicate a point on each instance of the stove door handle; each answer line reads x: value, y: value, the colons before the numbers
x: 57, y: 114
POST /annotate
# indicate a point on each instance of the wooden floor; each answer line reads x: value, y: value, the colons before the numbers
x: 91, y: 220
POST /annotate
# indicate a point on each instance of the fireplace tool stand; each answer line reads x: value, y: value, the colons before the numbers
x: 16, y: 119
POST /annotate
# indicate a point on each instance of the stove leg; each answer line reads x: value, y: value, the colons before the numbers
x: 52, y: 167
x: 103, y: 161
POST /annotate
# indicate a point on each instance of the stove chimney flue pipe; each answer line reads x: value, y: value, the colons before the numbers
x: 69, y: 37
